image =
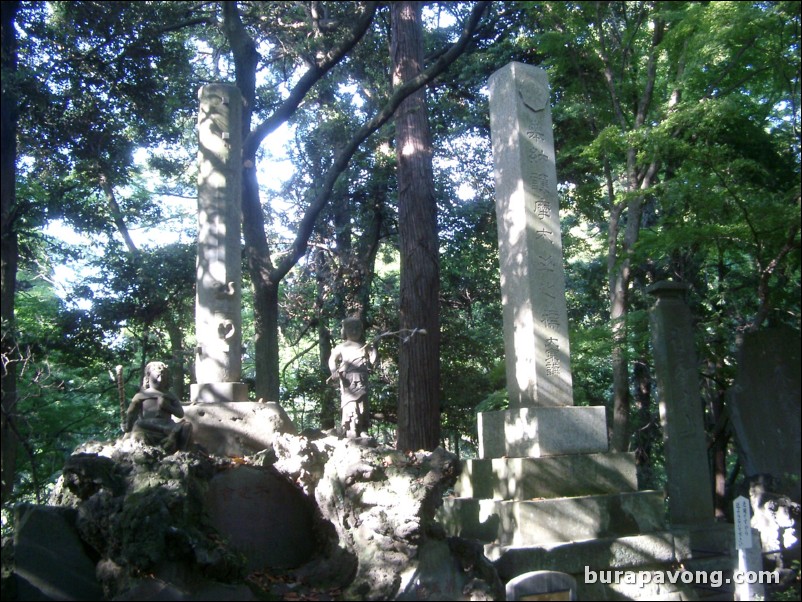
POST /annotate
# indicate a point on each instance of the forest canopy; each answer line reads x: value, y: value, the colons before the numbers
x: 677, y: 135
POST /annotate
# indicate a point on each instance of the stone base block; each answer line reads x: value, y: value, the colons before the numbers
x: 239, y: 428
x: 527, y: 523
x: 709, y: 549
x: 533, y: 432
x: 548, y: 477
x: 632, y: 552
x: 50, y: 559
x: 218, y: 392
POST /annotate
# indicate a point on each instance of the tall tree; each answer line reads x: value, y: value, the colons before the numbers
x: 419, y: 356
x: 9, y: 246
x: 626, y: 213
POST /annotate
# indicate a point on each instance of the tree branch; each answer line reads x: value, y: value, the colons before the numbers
x: 648, y: 90
x: 342, y: 159
x: 254, y: 139
x: 608, y: 70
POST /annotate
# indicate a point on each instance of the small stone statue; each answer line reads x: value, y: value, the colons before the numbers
x: 350, y: 363
x: 150, y: 414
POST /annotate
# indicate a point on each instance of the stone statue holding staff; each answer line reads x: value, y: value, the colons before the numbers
x: 350, y: 364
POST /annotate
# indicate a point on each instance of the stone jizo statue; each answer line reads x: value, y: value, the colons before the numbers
x: 350, y: 364
x: 150, y: 414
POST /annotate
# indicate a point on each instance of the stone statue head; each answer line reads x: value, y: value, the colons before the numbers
x: 352, y: 329
x: 157, y: 376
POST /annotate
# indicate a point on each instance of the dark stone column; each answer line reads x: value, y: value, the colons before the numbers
x: 690, y: 493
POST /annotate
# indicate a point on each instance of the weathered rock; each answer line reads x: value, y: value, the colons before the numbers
x: 187, y: 526
x: 381, y: 503
x: 777, y: 517
x: 143, y: 512
x: 302, y: 459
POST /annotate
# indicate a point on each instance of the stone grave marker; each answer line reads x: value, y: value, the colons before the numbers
x: 750, y: 560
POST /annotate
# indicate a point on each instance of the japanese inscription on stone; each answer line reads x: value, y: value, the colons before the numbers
x: 530, y: 245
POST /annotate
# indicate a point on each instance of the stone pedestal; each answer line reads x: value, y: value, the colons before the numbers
x: 542, y: 431
x: 218, y: 392
x: 547, y: 477
x: 237, y: 429
x: 502, y: 523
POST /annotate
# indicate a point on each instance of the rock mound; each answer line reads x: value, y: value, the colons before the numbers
x: 338, y: 519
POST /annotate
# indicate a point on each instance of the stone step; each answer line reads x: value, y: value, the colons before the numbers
x: 712, y: 546
x: 532, y: 522
x: 547, y: 477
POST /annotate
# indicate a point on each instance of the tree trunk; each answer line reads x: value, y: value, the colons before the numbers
x: 265, y: 318
x: 9, y: 249
x: 619, y: 269
x: 419, y: 356
x: 328, y: 400
x: 116, y: 213
x: 646, y: 431
x: 719, y: 445
x: 177, y: 369
x: 619, y: 305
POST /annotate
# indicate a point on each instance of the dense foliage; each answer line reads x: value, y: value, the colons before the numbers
x: 678, y: 155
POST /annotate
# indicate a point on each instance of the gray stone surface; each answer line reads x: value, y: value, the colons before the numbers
x: 237, y: 428
x: 151, y: 589
x: 263, y: 516
x: 538, y: 358
x: 218, y: 319
x: 547, y: 477
x: 50, y: 560
x: 191, y: 526
x: 690, y: 490
x: 765, y: 401
x: 526, y: 523
x: 218, y: 392
x: 542, y: 431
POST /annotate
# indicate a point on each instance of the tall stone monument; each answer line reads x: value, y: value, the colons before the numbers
x: 545, y: 494
x: 690, y: 491
x: 218, y: 319
x: 529, y: 240
x: 542, y: 419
